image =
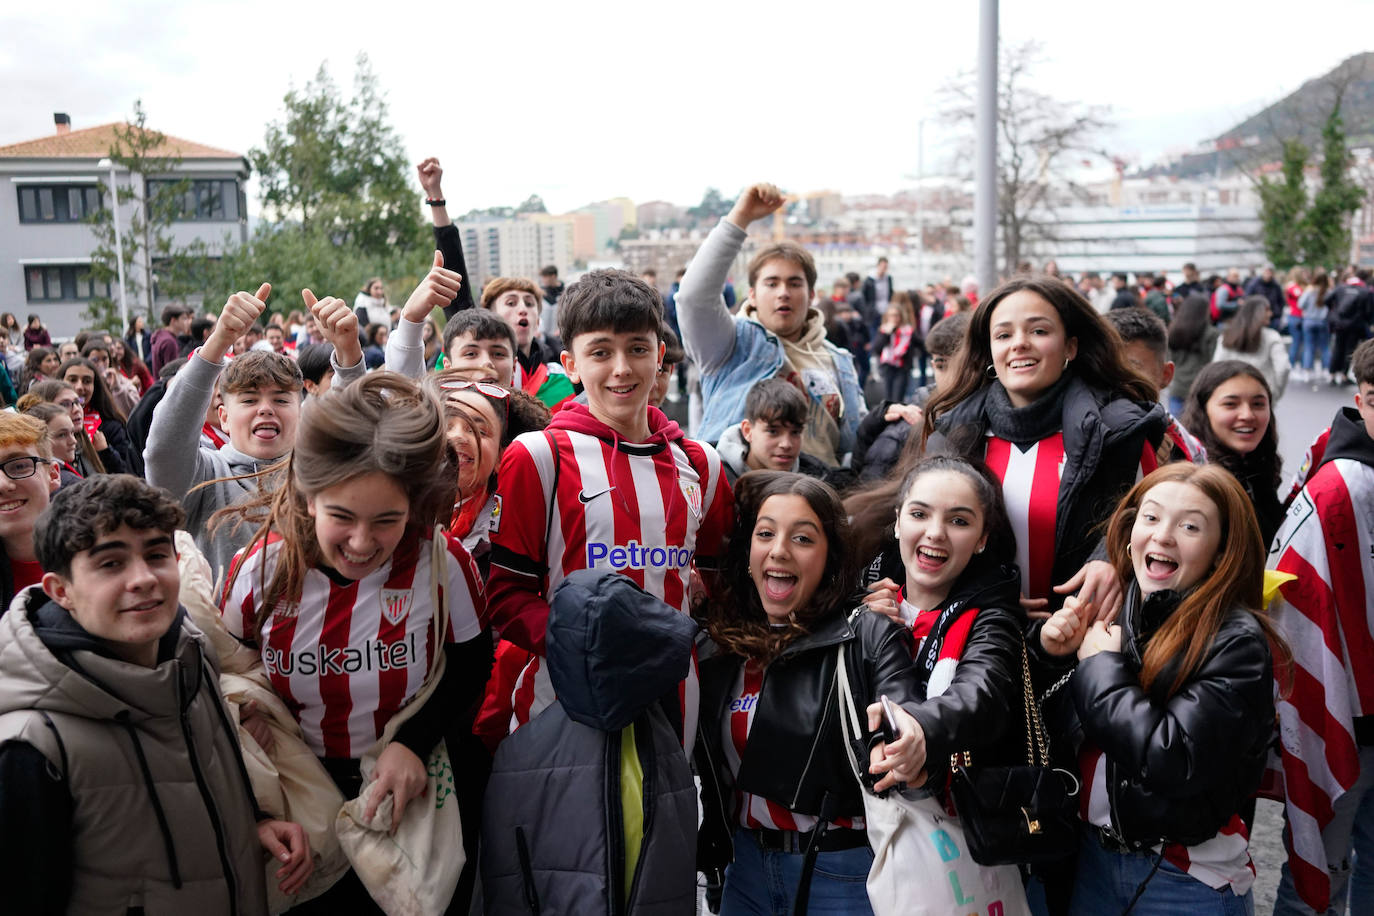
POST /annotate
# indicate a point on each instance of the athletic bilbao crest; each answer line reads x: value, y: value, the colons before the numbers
x: 691, y: 491
x: 396, y: 603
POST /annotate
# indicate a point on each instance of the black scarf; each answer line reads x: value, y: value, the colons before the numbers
x: 1026, y: 425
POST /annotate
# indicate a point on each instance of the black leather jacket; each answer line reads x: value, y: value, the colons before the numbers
x: 981, y: 710
x: 1178, y: 767
x: 1104, y: 436
x: 796, y: 753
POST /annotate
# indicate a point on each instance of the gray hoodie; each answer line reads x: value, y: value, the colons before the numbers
x: 175, y: 460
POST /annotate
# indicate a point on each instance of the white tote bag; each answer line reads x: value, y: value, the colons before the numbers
x: 415, y: 871
x: 921, y: 863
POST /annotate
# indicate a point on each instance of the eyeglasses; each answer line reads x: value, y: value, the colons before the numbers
x: 490, y: 390
x: 69, y: 403
x: 22, y: 467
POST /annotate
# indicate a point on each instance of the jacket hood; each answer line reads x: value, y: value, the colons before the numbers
x: 241, y: 463
x: 812, y: 336
x: 733, y: 450
x: 1349, y: 439
x: 578, y: 418
x: 613, y: 650
x: 48, y: 662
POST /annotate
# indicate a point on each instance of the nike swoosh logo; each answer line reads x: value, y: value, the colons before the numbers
x: 584, y: 497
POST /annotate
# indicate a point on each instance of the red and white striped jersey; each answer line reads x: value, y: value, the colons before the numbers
x: 755, y: 811
x: 1221, y: 862
x: 1030, y: 486
x: 346, y: 657
x: 576, y: 496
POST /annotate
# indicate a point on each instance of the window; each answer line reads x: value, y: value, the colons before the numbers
x: 62, y: 203
x: 204, y: 200
x: 64, y: 283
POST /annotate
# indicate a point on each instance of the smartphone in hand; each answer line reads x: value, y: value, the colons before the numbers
x: 890, y: 730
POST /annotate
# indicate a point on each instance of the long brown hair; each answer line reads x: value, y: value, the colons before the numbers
x: 737, y: 621
x: 1265, y: 459
x: 1243, y: 332
x: 1100, y: 361
x: 382, y: 423
x: 1236, y: 579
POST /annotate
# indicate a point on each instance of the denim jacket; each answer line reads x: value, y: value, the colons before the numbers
x: 733, y: 352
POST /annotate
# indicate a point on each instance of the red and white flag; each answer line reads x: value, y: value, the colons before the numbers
x: 1327, y: 617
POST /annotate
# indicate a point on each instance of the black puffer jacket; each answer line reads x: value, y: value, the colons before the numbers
x: 1178, y: 767
x: 796, y: 752
x: 981, y: 709
x: 1104, y: 437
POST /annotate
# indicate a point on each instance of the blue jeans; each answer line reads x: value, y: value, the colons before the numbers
x: 1106, y: 882
x: 1314, y: 337
x: 765, y: 883
x: 1294, y: 339
x: 1351, y: 830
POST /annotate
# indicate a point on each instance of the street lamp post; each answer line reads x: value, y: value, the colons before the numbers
x: 985, y: 152
x: 119, y: 245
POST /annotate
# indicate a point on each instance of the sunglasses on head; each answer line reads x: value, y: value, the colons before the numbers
x: 486, y: 388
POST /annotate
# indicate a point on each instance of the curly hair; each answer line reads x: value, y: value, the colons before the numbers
x: 79, y: 514
x: 736, y: 621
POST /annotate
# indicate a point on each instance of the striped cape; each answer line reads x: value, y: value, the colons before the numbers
x: 1327, y: 542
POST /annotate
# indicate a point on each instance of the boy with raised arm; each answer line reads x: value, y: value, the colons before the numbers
x: 514, y: 300
x: 776, y: 333
x: 262, y: 394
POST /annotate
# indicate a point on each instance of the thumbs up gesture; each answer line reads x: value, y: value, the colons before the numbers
x: 338, y: 325
x: 436, y: 290
x: 238, y: 316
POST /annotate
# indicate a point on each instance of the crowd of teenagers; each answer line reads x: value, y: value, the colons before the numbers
x: 433, y: 609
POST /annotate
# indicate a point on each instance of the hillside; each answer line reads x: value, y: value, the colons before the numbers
x: 1301, y: 114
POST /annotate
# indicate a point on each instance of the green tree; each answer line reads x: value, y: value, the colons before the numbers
x: 1326, y: 225
x: 336, y: 166
x: 533, y: 204
x: 712, y: 207
x: 153, y: 263
x: 1283, y: 204
x: 292, y: 258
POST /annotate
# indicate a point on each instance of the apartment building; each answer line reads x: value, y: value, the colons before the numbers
x: 49, y: 186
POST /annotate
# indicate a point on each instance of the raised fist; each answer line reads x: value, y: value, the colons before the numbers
x: 430, y: 176
x: 758, y: 201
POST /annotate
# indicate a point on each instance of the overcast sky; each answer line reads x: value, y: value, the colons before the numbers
x: 583, y: 101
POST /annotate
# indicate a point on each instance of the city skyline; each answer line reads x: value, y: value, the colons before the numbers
x: 556, y: 107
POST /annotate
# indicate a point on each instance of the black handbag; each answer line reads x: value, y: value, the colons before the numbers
x: 1017, y: 815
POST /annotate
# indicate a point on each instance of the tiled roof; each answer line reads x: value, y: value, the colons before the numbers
x: 95, y: 142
